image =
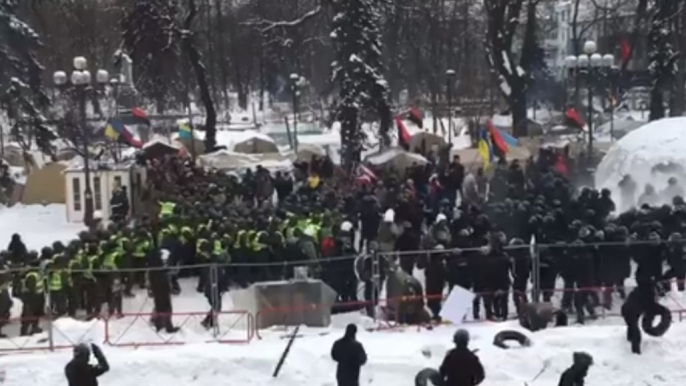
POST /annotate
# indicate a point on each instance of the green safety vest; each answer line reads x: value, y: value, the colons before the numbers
x: 312, y: 230
x: 257, y: 246
x: 173, y: 229
x: 55, y: 283
x: 302, y: 224
x: 167, y: 208
x: 217, y: 248
x: 101, y: 245
x: 200, y: 249
x: 239, y: 236
x: 110, y: 261
x: 39, y: 282
x: 186, y: 230
x: 141, y: 249
x: 91, y: 263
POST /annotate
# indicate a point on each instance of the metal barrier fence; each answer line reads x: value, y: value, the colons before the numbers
x: 206, y: 279
x: 239, y: 326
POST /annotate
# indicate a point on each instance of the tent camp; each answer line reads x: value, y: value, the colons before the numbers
x: 471, y: 158
x: 196, y: 145
x: 46, y: 185
x: 158, y: 149
x: 425, y: 141
x: 396, y: 158
x: 227, y: 160
x: 307, y: 151
x: 251, y: 142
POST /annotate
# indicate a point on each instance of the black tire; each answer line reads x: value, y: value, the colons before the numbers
x: 649, y: 318
x: 428, y: 374
x: 502, y: 336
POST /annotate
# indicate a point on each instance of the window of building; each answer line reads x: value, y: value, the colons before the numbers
x: 97, y: 190
x: 117, y: 181
x: 76, y: 187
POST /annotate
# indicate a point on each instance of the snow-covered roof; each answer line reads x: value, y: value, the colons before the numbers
x: 388, y: 155
x: 77, y: 166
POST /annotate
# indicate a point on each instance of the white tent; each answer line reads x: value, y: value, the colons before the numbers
x: 228, y: 160
x: 250, y: 142
x: 396, y: 158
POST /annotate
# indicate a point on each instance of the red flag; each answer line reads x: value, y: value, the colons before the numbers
x: 625, y: 51
x: 403, y: 135
x: 140, y: 116
x: 561, y: 166
x: 415, y: 116
x: 574, y: 119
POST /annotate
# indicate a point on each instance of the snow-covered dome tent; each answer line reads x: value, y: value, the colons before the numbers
x: 651, y: 154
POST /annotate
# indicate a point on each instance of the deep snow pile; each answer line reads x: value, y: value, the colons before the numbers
x: 659, y: 142
x: 394, y: 359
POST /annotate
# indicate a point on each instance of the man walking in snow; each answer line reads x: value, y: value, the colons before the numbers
x: 350, y: 356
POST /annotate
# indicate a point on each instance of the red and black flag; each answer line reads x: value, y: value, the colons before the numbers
x: 573, y: 118
x: 135, y: 117
x: 415, y: 116
x: 403, y: 135
x: 625, y: 53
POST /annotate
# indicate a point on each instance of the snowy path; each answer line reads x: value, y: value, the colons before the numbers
x: 394, y: 359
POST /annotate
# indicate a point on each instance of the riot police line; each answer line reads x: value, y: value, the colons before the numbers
x: 370, y: 269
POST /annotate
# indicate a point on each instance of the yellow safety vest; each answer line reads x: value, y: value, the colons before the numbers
x: 167, y: 208
x: 90, y: 264
x: 312, y: 230
x: 142, y: 249
x: 217, y: 248
x: 55, y: 283
x: 110, y: 261
x: 39, y: 282
x: 239, y: 236
x: 257, y: 246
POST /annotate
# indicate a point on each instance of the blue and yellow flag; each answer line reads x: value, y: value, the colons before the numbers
x: 117, y: 131
x: 484, y: 147
x: 185, y: 131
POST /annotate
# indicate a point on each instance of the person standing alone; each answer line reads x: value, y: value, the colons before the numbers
x: 350, y: 356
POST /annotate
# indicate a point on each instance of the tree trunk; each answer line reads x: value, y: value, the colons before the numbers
x: 201, y: 78
x: 678, y: 102
x: 657, y: 107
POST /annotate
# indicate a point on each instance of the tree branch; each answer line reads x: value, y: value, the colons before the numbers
x: 286, y: 24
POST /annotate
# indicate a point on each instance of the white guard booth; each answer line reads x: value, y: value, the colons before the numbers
x: 105, y: 178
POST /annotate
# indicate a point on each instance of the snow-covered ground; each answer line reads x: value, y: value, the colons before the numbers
x: 395, y: 356
x: 39, y: 226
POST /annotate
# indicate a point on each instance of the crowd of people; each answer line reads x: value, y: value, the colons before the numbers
x: 258, y: 226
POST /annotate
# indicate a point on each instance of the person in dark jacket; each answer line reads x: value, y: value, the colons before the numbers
x: 575, y: 375
x: 79, y: 372
x: 350, y: 356
x: 17, y: 249
x: 637, y: 303
x: 461, y: 367
x: 161, y: 292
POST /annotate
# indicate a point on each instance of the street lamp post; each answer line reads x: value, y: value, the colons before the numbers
x: 449, y: 76
x: 295, y: 79
x: 81, y: 80
x: 592, y: 67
